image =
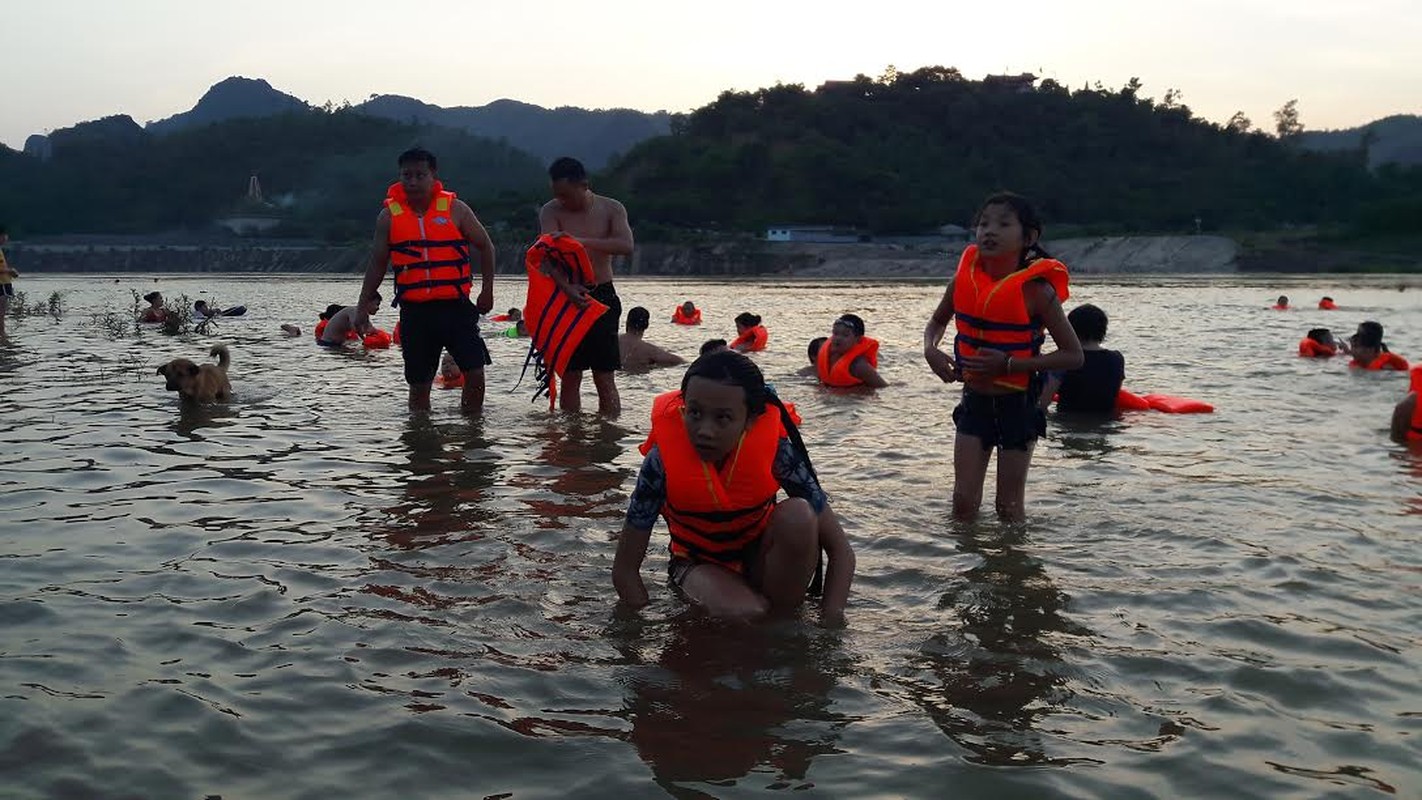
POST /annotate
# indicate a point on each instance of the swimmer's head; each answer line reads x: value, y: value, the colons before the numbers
x: 713, y: 345
x: 745, y: 320
x: 448, y: 368
x: 638, y: 319
x: 154, y: 298
x: 515, y: 314
x: 813, y: 351
x: 688, y: 308
x: 724, y: 393
x: 1282, y: 301
x: 1322, y: 335
x: 1089, y: 322
x: 846, y: 331
x: 331, y: 311
x: 373, y: 304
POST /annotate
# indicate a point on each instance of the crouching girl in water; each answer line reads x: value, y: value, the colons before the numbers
x: 719, y: 451
x: 1005, y: 291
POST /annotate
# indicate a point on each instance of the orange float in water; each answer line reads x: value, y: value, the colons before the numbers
x: 377, y: 340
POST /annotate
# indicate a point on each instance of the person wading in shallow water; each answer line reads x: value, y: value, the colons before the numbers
x: 424, y: 234
x: 600, y: 224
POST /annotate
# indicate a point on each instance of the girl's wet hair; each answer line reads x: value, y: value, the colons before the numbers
x: 1321, y: 335
x: 813, y: 350
x: 747, y: 319
x: 1026, y: 214
x: 149, y: 297
x: 331, y: 311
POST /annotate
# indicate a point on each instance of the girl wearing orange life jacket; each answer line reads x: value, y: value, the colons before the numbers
x: 751, y: 336
x: 1370, y: 352
x: 849, y: 358
x: 687, y: 314
x: 1282, y: 304
x: 1407, y: 416
x: 718, y: 453
x: 1004, y: 292
x: 1319, y: 343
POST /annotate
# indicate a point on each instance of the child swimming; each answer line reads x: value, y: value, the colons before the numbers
x: 1370, y: 351
x: 1319, y: 343
x: 719, y: 452
x: 850, y: 358
x: 1092, y: 387
x: 1005, y: 290
x: 751, y: 336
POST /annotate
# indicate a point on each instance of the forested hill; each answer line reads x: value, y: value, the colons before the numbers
x: 322, y: 173
x: 909, y: 152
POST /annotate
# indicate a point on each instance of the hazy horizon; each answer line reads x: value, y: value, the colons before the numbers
x: 151, y: 59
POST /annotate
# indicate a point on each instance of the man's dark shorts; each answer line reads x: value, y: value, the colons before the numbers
x: 1007, y: 421
x: 599, y: 351
x: 434, y: 325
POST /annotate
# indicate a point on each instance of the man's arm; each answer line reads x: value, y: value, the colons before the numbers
x: 660, y: 357
x: 1402, y: 416
x: 865, y: 372
x: 474, y: 232
x: 839, y: 569
x: 379, y: 259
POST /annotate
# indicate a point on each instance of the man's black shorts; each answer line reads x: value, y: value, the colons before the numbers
x: 434, y: 325
x: 599, y: 351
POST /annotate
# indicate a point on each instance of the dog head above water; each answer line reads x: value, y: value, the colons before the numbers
x: 203, y: 383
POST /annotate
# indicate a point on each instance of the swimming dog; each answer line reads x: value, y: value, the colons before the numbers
x: 200, y: 383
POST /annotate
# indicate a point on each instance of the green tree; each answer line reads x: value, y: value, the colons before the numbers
x: 1286, y: 120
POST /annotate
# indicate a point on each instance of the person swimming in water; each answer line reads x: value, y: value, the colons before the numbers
x: 638, y: 354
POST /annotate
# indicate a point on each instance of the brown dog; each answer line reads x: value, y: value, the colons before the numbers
x: 206, y: 383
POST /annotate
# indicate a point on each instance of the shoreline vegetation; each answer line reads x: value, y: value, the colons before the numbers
x: 1301, y: 252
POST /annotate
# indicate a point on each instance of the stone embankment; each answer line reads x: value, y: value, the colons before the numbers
x: 1112, y: 254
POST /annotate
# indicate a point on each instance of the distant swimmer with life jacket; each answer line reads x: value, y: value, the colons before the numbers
x: 849, y: 358
x: 687, y: 314
x: 1407, y: 415
x: 600, y: 224
x: 1282, y: 304
x: 1370, y: 351
x: 1320, y: 343
x: 1005, y: 290
x: 638, y: 354
x: 156, y: 311
x: 1327, y: 304
x: 751, y: 336
x: 720, y: 451
x: 349, y: 322
x: 1093, y: 387
x: 424, y: 235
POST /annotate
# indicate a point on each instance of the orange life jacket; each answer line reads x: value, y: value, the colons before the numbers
x: 1327, y: 305
x: 449, y: 383
x: 1313, y: 349
x: 1391, y: 361
x: 715, y: 514
x: 756, y: 336
x: 428, y: 254
x: 1277, y: 307
x: 554, y: 323
x: 993, y: 314
x: 682, y: 318
x: 376, y: 340
x: 838, y: 374
x: 1414, y: 431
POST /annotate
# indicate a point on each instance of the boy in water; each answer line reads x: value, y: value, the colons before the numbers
x: 639, y: 355
x: 1092, y: 387
x: 350, y: 318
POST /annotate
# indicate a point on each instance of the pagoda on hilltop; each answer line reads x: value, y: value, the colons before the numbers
x: 253, y: 214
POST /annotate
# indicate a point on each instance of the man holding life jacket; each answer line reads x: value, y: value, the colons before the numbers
x: 600, y: 224
x: 849, y: 358
x: 424, y: 235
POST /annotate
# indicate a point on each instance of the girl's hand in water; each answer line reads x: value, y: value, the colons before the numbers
x: 942, y: 364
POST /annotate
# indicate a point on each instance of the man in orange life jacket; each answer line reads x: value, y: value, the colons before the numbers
x: 600, y: 224
x: 425, y: 234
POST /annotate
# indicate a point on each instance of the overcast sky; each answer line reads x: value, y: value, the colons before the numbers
x: 66, y: 61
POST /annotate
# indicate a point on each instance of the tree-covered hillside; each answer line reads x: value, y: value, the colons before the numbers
x: 908, y: 152
x: 325, y: 172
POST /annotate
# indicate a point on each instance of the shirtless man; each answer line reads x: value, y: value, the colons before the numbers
x: 639, y: 355
x: 600, y: 224
x: 350, y: 318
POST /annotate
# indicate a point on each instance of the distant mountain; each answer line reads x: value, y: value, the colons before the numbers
x: 1394, y: 140
x: 117, y: 132
x: 233, y: 98
x: 593, y: 137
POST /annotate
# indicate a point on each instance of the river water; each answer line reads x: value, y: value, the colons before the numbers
x: 307, y: 593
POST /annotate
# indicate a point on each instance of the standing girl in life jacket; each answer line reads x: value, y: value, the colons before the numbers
x: 719, y: 452
x: 1005, y: 292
